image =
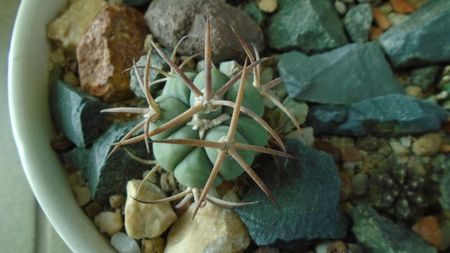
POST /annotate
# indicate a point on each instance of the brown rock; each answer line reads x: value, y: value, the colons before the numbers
x: 402, y: 6
x: 327, y: 147
x: 113, y: 40
x: 428, y: 229
x: 380, y: 19
x: 350, y: 154
x: 375, y: 32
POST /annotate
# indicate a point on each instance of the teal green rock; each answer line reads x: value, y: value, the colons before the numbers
x: 254, y: 12
x: 307, y: 190
x: 77, y: 114
x: 108, y: 175
x: 424, y: 77
x: 444, y: 188
x: 157, y: 62
x: 358, y: 21
x: 380, y: 235
x: 309, y: 25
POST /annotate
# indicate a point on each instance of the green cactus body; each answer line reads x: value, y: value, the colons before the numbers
x: 192, y: 165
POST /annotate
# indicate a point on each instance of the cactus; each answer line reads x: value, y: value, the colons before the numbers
x: 206, y: 127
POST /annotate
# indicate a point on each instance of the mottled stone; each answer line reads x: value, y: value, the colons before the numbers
x: 113, y: 40
x: 345, y: 75
x: 422, y: 38
x: 157, y: 63
x: 424, y: 77
x: 390, y: 115
x: 380, y: 235
x: 307, y: 190
x: 310, y: 25
x: 214, y: 230
x: 108, y: 175
x: 358, y: 21
x: 146, y: 220
x: 77, y: 114
x: 69, y: 28
x: 170, y: 20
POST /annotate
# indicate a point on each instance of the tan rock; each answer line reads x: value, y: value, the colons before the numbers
x: 70, y: 26
x: 153, y: 245
x: 427, y: 144
x: 109, y: 222
x: 214, y: 229
x: 113, y: 40
x: 268, y: 6
x: 146, y: 220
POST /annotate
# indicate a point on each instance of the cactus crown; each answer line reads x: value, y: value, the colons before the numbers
x: 225, y: 130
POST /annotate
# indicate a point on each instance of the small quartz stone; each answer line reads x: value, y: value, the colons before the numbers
x: 124, y: 244
x: 414, y: 91
x: 427, y: 144
x: 82, y: 194
x: 115, y: 201
x: 109, y: 222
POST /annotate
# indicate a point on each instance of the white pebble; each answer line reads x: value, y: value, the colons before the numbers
x: 268, y: 6
x: 124, y: 244
x: 341, y: 8
x: 109, y: 222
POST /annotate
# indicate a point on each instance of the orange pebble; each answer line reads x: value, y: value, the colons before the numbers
x: 428, y: 229
x: 402, y: 6
x: 381, y: 20
x: 375, y: 32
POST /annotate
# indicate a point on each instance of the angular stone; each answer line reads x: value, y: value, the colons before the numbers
x: 157, y: 62
x: 390, y: 115
x: 146, y: 220
x: 309, y: 25
x: 69, y: 28
x: 77, y: 114
x: 358, y: 21
x: 307, y: 190
x: 422, y: 38
x: 113, y: 40
x: 214, y: 230
x: 108, y: 175
x: 170, y: 20
x: 380, y: 235
x: 343, y: 76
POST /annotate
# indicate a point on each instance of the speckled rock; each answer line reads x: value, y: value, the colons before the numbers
x: 422, y: 38
x: 390, y: 115
x: 213, y: 230
x: 310, y: 25
x: 145, y: 220
x: 170, y: 20
x: 113, y: 40
x: 307, y: 190
x: 314, y: 78
x: 107, y: 176
x: 69, y: 28
x: 157, y: 62
x: 380, y: 235
x: 77, y: 114
x: 427, y: 144
x: 358, y: 21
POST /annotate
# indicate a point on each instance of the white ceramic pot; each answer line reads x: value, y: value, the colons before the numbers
x: 33, y: 130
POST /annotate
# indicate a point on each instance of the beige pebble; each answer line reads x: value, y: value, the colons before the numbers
x: 427, y: 144
x: 116, y: 201
x: 414, y: 91
x: 268, y: 6
x: 109, y: 222
x: 82, y: 194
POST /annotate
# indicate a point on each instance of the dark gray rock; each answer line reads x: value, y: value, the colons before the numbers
x: 108, y: 175
x: 170, y: 20
x: 77, y: 114
x: 380, y: 235
x: 358, y: 21
x: 390, y: 115
x: 423, y: 38
x: 444, y: 188
x: 308, y: 192
x: 345, y: 75
x: 310, y: 25
x: 157, y: 62
x: 424, y: 77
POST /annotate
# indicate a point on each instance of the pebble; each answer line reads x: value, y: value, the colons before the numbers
x: 109, y: 222
x: 167, y: 182
x: 82, y: 194
x: 375, y: 32
x: 427, y: 144
x: 341, y: 8
x: 124, y: 244
x: 360, y: 184
x: 350, y: 154
x: 402, y: 6
x: 396, y: 18
x: 398, y: 148
x: 213, y: 230
x: 414, y: 91
x: 268, y: 6
x: 113, y: 28
x: 116, y: 201
x: 428, y: 229
x: 146, y: 220
x: 358, y: 21
x: 69, y: 28
x: 380, y: 19
x: 152, y: 245
x: 333, y: 247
